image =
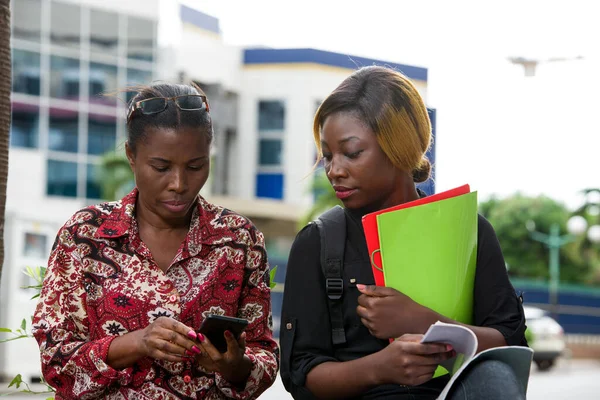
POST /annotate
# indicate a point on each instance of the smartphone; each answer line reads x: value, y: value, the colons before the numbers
x: 214, y: 327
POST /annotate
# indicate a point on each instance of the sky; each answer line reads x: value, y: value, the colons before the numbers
x: 497, y: 130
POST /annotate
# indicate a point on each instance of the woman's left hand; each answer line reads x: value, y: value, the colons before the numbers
x: 388, y: 313
x: 233, y: 364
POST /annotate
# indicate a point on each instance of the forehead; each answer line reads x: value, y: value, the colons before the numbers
x: 184, y: 141
x: 341, y: 126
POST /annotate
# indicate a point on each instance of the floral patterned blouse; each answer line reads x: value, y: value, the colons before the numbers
x: 102, y: 282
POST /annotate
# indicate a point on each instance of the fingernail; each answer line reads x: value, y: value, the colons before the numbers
x: 448, y: 347
x: 360, y: 286
x: 189, y: 353
x: 200, y: 337
x: 453, y: 353
x: 228, y: 334
x: 196, y: 350
x: 192, y: 335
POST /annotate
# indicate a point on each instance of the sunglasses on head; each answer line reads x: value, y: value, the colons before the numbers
x: 154, y: 105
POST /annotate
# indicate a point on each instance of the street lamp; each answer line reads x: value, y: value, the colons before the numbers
x: 576, y: 225
x: 553, y: 241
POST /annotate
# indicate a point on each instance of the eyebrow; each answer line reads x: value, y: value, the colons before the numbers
x: 167, y: 161
x: 344, y: 140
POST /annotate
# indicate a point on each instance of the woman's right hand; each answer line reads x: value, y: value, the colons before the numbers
x: 407, y: 361
x: 167, y: 339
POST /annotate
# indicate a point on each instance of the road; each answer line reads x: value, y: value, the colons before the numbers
x: 570, y: 379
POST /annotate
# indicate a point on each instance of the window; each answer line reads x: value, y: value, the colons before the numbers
x: 269, y: 185
x: 103, y: 78
x: 92, y: 187
x: 26, y: 21
x: 34, y: 245
x: 102, y: 133
x: 24, y: 128
x: 104, y: 32
x: 62, y: 130
x: 65, y: 24
x: 270, y: 152
x: 140, y: 39
x: 62, y: 178
x: 26, y: 72
x: 271, y: 115
x: 136, y: 77
x: 64, y: 77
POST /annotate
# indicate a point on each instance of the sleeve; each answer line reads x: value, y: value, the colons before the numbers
x: 496, y: 304
x: 72, y: 364
x: 305, y: 328
x: 255, y: 306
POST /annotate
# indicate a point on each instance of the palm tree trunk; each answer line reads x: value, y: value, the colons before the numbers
x: 5, y: 87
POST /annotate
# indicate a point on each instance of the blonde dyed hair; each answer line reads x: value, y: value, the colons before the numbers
x: 389, y: 104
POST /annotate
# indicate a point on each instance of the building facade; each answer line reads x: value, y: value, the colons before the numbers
x: 68, y: 53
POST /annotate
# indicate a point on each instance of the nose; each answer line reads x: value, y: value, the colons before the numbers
x: 335, y: 169
x: 178, y: 181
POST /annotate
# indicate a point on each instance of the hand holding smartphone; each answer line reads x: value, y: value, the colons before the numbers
x: 214, y: 327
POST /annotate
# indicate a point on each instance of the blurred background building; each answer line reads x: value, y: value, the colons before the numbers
x: 66, y: 53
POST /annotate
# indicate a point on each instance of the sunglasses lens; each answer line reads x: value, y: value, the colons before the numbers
x: 153, y: 106
x: 190, y: 102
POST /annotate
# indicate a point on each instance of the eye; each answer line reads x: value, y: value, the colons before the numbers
x: 195, y: 167
x: 327, y: 156
x: 160, y: 169
x: 354, y: 155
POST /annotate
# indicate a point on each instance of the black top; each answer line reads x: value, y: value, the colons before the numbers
x: 306, y: 329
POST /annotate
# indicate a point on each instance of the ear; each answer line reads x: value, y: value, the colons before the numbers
x: 130, y: 155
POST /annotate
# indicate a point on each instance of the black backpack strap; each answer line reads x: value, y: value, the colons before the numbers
x: 332, y: 230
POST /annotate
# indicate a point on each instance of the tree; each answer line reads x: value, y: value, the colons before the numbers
x: 115, y: 177
x: 5, y: 88
x: 525, y: 257
x: 324, y: 197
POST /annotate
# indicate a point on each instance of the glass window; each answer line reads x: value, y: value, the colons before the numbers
x: 62, y: 130
x: 102, y: 133
x: 271, y: 115
x: 103, y: 78
x: 35, y: 245
x: 269, y: 185
x: 24, y: 128
x: 26, y: 72
x: 65, y: 21
x: 64, y: 77
x: 92, y: 186
x: 270, y: 152
x: 140, y: 38
x: 104, y: 32
x: 62, y: 178
x: 137, y: 77
x: 26, y: 20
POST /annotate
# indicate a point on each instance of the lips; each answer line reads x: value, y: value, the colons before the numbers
x: 343, y: 192
x: 175, y: 206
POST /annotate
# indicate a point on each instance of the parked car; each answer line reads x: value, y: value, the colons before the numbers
x: 546, y: 337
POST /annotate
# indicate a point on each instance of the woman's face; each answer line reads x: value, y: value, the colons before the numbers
x: 358, y: 169
x: 170, y: 167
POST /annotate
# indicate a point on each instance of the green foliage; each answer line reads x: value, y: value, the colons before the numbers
x: 37, y: 274
x: 324, y: 197
x: 272, y: 273
x: 526, y: 257
x: 115, y: 176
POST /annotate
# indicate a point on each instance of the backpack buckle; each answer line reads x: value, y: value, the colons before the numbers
x: 334, y: 288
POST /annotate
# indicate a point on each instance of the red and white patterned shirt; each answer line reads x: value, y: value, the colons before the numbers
x: 102, y: 282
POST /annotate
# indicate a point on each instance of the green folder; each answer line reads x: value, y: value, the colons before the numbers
x: 429, y: 253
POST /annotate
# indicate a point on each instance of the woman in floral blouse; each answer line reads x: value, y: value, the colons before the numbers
x: 130, y: 282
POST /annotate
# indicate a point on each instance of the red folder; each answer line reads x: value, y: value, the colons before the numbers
x: 369, y: 222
